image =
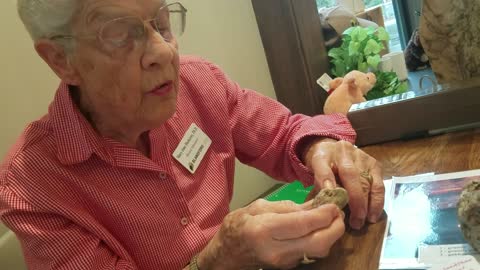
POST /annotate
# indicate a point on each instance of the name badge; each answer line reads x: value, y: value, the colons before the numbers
x: 324, y: 82
x: 192, y: 148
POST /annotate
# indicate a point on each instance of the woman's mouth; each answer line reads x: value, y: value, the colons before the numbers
x: 162, y: 89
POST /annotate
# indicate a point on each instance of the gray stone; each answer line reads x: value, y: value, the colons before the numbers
x: 450, y: 35
x: 469, y: 213
x: 338, y: 196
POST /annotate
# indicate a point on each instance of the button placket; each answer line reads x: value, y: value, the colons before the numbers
x: 163, y: 175
x: 184, y: 221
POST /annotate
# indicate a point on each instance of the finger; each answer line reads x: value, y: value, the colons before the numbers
x: 307, y: 205
x: 322, y: 171
x: 289, y: 252
x: 362, y: 160
x: 374, y: 187
x: 311, y: 195
x: 318, y: 243
x: 350, y: 177
x: 324, y: 176
x: 327, y: 238
x: 298, y: 224
x: 262, y: 206
x: 377, y: 195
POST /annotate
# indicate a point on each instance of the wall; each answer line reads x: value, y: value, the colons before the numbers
x: 27, y: 83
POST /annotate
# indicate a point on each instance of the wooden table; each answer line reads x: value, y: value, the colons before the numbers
x: 360, y: 250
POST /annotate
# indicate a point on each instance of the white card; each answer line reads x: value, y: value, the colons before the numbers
x: 431, y: 253
x: 324, y: 82
x: 458, y: 263
x: 192, y: 148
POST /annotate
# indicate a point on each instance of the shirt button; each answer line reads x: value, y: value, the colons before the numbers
x: 163, y: 176
x: 184, y: 221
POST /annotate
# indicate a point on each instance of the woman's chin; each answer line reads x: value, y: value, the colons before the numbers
x: 161, y: 117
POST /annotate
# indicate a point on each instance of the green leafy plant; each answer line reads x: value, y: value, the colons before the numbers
x: 387, y: 84
x: 360, y: 50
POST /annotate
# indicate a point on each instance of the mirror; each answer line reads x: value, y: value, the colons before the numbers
x: 449, y: 40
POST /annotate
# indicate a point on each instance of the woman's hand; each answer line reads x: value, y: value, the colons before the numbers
x: 273, y: 235
x: 356, y: 171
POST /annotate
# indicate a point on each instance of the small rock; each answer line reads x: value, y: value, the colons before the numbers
x: 469, y: 213
x: 338, y: 196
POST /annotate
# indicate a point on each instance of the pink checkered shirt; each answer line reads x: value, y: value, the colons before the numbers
x: 77, y: 200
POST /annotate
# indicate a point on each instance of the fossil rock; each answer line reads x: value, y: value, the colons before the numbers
x: 338, y: 196
x: 449, y: 34
x: 469, y: 213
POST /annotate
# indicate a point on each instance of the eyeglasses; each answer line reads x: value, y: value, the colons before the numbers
x: 169, y: 22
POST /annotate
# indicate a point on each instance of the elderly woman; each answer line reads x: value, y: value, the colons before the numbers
x: 132, y: 167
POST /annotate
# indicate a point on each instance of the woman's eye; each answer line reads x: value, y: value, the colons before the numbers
x: 136, y: 32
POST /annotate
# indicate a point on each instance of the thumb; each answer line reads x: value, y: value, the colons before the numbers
x: 327, y: 183
x: 324, y: 178
x: 262, y: 206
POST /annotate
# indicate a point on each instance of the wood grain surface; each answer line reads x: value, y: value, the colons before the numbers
x: 360, y: 250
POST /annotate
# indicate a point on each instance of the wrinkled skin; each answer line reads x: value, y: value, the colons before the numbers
x: 273, y: 235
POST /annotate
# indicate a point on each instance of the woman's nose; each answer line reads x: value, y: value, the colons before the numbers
x: 158, y: 52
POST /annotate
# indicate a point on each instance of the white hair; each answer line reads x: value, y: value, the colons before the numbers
x: 45, y: 18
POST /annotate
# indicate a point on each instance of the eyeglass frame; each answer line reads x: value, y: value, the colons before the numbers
x: 98, y: 35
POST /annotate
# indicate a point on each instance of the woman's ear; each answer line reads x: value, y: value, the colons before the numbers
x: 56, y: 57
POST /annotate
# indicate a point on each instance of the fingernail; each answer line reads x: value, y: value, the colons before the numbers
x: 357, y: 223
x: 373, y: 218
x: 328, y: 184
x: 343, y: 214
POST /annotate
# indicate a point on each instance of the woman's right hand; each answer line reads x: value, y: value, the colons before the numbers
x: 273, y: 235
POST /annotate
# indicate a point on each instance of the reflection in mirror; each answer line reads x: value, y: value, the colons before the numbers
x: 403, y: 61
x: 452, y: 42
x: 439, y: 41
x: 427, y: 36
x: 308, y: 34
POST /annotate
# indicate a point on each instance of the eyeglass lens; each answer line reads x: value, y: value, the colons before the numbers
x: 169, y: 22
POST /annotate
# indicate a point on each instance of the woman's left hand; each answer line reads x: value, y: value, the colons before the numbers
x: 359, y: 173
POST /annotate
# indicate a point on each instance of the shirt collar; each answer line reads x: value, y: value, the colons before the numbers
x: 76, y: 139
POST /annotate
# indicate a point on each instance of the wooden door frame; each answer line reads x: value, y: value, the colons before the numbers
x: 295, y: 49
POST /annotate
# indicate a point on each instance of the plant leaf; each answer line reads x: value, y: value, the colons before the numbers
x: 373, y: 61
x: 353, y: 48
x: 340, y: 68
x: 387, y: 84
x: 383, y: 34
x: 355, y: 34
x: 402, y: 88
x: 372, y: 47
x: 348, y: 32
x: 360, y: 50
x: 362, y: 34
x: 335, y: 53
x: 363, y: 66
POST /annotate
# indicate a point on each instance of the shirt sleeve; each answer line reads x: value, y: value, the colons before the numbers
x: 50, y: 241
x: 267, y: 135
